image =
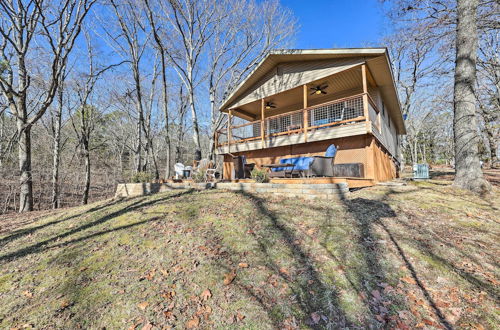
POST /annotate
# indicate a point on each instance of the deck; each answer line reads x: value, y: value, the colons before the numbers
x: 351, y: 116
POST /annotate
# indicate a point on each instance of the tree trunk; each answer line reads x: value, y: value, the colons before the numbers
x: 211, y: 144
x: 490, y: 133
x: 194, y: 117
x: 140, y: 112
x: 165, y: 111
x: 468, y: 169
x: 56, y: 151
x: 86, y: 189
x: 26, y: 178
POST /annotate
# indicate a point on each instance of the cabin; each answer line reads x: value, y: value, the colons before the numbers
x: 297, y: 103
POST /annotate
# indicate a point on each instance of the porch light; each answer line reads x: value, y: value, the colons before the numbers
x: 268, y: 107
x: 318, y: 92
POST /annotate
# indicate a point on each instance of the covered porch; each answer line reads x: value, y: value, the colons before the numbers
x: 345, y: 107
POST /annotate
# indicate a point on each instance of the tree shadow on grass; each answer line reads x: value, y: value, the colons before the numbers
x: 370, y: 214
x: 421, y: 242
x: 327, y: 306
x: 27, y: 231
x: 368, y: 276
x: 42, y: 246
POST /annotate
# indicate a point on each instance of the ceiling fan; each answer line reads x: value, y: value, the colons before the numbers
x: 320, y: 89
x: 270, y: 105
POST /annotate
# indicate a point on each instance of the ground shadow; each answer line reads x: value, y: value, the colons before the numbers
x: 41, y: 246
x: 28, y: 231
x: 327, y: 306
x: 370, y: 214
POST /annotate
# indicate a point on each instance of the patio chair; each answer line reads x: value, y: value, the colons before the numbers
x: 242, y: 169
x: 212, y: 172
x: 179, y: 170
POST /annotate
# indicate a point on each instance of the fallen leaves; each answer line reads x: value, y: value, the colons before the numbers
x: 147, y: 326
x: 193, y: 323
x: 284, y: 271
x: 408, y: 279
x: 205, y: 295
x: 243, y: 265
x: 143, y: 305
x: 28, y: 294
x: 229, y: 277
x: 169, y: 294
x: 315, y: 317
x: 65, y: 304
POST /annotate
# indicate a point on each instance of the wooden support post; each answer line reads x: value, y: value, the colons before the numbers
x: 365, y: 91
x: 229, y: 133
x: 306, y: 123
x: 262, y: 124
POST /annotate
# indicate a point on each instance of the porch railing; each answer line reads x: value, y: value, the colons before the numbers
x: 338, y: 112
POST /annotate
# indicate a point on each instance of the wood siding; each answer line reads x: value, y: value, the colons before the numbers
x: 378, y: 164
x: 387, y: 132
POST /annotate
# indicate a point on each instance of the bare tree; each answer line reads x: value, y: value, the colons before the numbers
x: 488, y: 91
x: 468, y: 169
x: 88, y: 117
x: 451, y: 27
x: 132, y: 32
x: 190, y: 26
x: 58, y: 24
x: 55, y: 129
x: 162, y: 50
x: 246, y: 32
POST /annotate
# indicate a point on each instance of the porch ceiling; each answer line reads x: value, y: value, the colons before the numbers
x: 339, y: 85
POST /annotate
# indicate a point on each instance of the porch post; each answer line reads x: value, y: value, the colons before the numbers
x: 365, y: 92
x: 229, y: 133
x: 262, y: 124
x: 306, y: 123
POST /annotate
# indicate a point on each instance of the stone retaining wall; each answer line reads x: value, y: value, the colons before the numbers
x: 307, y: 191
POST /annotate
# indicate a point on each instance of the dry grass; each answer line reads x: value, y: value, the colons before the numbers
x: 422, y: 255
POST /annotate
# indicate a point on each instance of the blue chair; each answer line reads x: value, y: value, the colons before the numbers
x: 312, y: 166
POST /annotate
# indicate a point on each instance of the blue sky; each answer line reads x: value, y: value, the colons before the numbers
x: 338, y: 23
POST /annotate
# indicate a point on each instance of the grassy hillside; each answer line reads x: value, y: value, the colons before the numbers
x: 423, y: 255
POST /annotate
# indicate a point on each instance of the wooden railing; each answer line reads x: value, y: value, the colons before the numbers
x: 334, y: 113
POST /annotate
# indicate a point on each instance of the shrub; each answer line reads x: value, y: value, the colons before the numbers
x: 259, y: 175
x: 141, y: 177
x: 199, y: 176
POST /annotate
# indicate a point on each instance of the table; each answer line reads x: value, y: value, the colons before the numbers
x: 279, y: 174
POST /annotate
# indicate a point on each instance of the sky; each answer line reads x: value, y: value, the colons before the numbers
x: 338, y: 23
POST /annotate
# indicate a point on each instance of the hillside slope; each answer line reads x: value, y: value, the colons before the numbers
x: 423, y: 255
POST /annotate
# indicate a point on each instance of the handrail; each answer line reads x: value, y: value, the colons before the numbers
x: 285, y: 114
x: 247, y: 124
x: 266, y: 134
x: 334, y: 123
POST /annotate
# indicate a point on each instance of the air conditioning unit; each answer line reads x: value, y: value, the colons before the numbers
x: 420, y: 171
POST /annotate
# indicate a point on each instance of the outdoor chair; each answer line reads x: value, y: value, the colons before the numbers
x: 242, y: 169
x: 212, y: 172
